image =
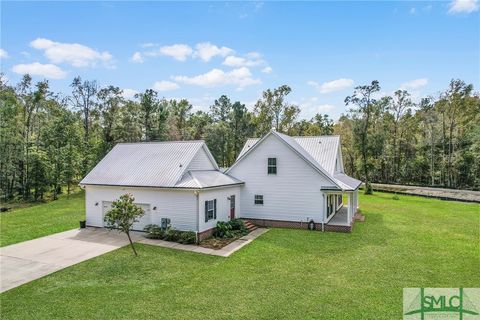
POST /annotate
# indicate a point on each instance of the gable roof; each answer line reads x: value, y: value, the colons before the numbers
x: 320, y: 152
x: 200, y: 179
x: 147, y: 164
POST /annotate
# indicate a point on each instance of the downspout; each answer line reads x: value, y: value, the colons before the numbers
x: 323, y: 215
x: 196, y: 193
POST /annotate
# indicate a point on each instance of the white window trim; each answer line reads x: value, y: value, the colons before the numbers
x: 210, y: 209
x: 255, y: 200
x: 272, y: 166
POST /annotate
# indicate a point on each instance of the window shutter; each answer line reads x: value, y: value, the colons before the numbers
x: 215, y: 209
x: 206, y: 211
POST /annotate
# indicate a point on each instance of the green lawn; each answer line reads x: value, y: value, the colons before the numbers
x: 42, y: 219
x: 295, y: 274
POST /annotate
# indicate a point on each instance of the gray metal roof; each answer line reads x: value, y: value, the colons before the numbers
x: 347, y: 181
x: 320, y: 151
x: 323, y: 149
x: 200, y: 179
x: 150, y: 164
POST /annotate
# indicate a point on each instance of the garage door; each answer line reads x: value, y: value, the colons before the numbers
x: 146, y: 219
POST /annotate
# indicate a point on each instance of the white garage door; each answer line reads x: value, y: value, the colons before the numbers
x: 146, y: 219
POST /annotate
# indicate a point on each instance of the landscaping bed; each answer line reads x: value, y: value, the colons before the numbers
x: 216, y: 243
x: 225, y: 233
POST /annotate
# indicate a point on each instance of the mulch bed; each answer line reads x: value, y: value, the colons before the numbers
x: 216, y: 243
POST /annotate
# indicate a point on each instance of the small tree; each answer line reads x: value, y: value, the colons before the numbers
x: 123, y: 215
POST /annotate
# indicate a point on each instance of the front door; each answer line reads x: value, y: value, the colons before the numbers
x: 232, y: 207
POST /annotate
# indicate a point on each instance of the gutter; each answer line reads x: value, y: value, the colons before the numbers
x: 158, y: 187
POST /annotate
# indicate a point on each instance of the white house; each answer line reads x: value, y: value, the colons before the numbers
x: 291, y: 181
x: 276, y: 181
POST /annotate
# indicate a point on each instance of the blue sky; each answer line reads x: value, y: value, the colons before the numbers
x: 201, y: 50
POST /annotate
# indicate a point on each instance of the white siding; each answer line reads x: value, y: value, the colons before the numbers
x: 339, y: 161
x: 179, y: 206
x: 141, y: 223
x: 293, y: 194
x: 201, y: 161
x: 223, y: 205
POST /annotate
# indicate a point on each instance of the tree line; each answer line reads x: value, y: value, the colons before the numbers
x: 49, y: 140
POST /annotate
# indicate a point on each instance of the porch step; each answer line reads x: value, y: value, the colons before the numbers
x: 250, y: 226
x: 359, y: 217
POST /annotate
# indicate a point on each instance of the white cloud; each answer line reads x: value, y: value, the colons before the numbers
x: 129, y: 93
x: 311, y: 106
x: 179, y: 52
x: 463, y: 6
x: 235, y: 61
x: 37, y: 69
x: 207, y: 51
x: 331, y: 86
x: 3, y: 54
x: 414, y: 84
x: 75, y: 54
x: 165, y: 86
x: 137, y: 57
x: 241, y: 77
x: 267, y: 70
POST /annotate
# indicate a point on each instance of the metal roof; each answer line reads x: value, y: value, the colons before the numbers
x: 347, y: 181
x: 320, y: 151
x: 323, y: 149
x: 200, y: 179
x: 150, y: 164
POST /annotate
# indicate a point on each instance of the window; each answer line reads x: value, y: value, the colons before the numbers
x: 210, y: 210
x: 258, y: 199
x: 272, y: 165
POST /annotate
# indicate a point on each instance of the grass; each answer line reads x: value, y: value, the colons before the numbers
x: 39, y: 220
x: 293, y: 274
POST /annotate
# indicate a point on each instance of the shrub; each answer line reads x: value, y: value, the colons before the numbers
x: 154, y: 231
x: 230, y: 229
x: 238, y: 224
x: 188, y: 237
x: 172, y: 235
x: 396, y: 197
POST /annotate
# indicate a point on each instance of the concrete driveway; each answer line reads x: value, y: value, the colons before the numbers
x: 26, y: 261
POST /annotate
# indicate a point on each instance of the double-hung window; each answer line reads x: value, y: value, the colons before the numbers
x: 258, y: 199
x: 272, y: 166
x: 210, y: 210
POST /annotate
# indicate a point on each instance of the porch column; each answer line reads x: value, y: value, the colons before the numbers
x: 356, y: 200
x: 349, y: 210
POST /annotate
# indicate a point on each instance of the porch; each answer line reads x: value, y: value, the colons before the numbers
x: 340, y: 218
x: 339, y: 213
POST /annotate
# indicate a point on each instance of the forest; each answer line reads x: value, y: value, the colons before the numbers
x: 50, y: 140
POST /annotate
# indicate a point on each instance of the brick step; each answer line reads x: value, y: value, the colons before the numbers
x: 250, y: 226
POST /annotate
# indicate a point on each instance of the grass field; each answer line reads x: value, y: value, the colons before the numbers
x: 295, y: 274
x: 40, y: 220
